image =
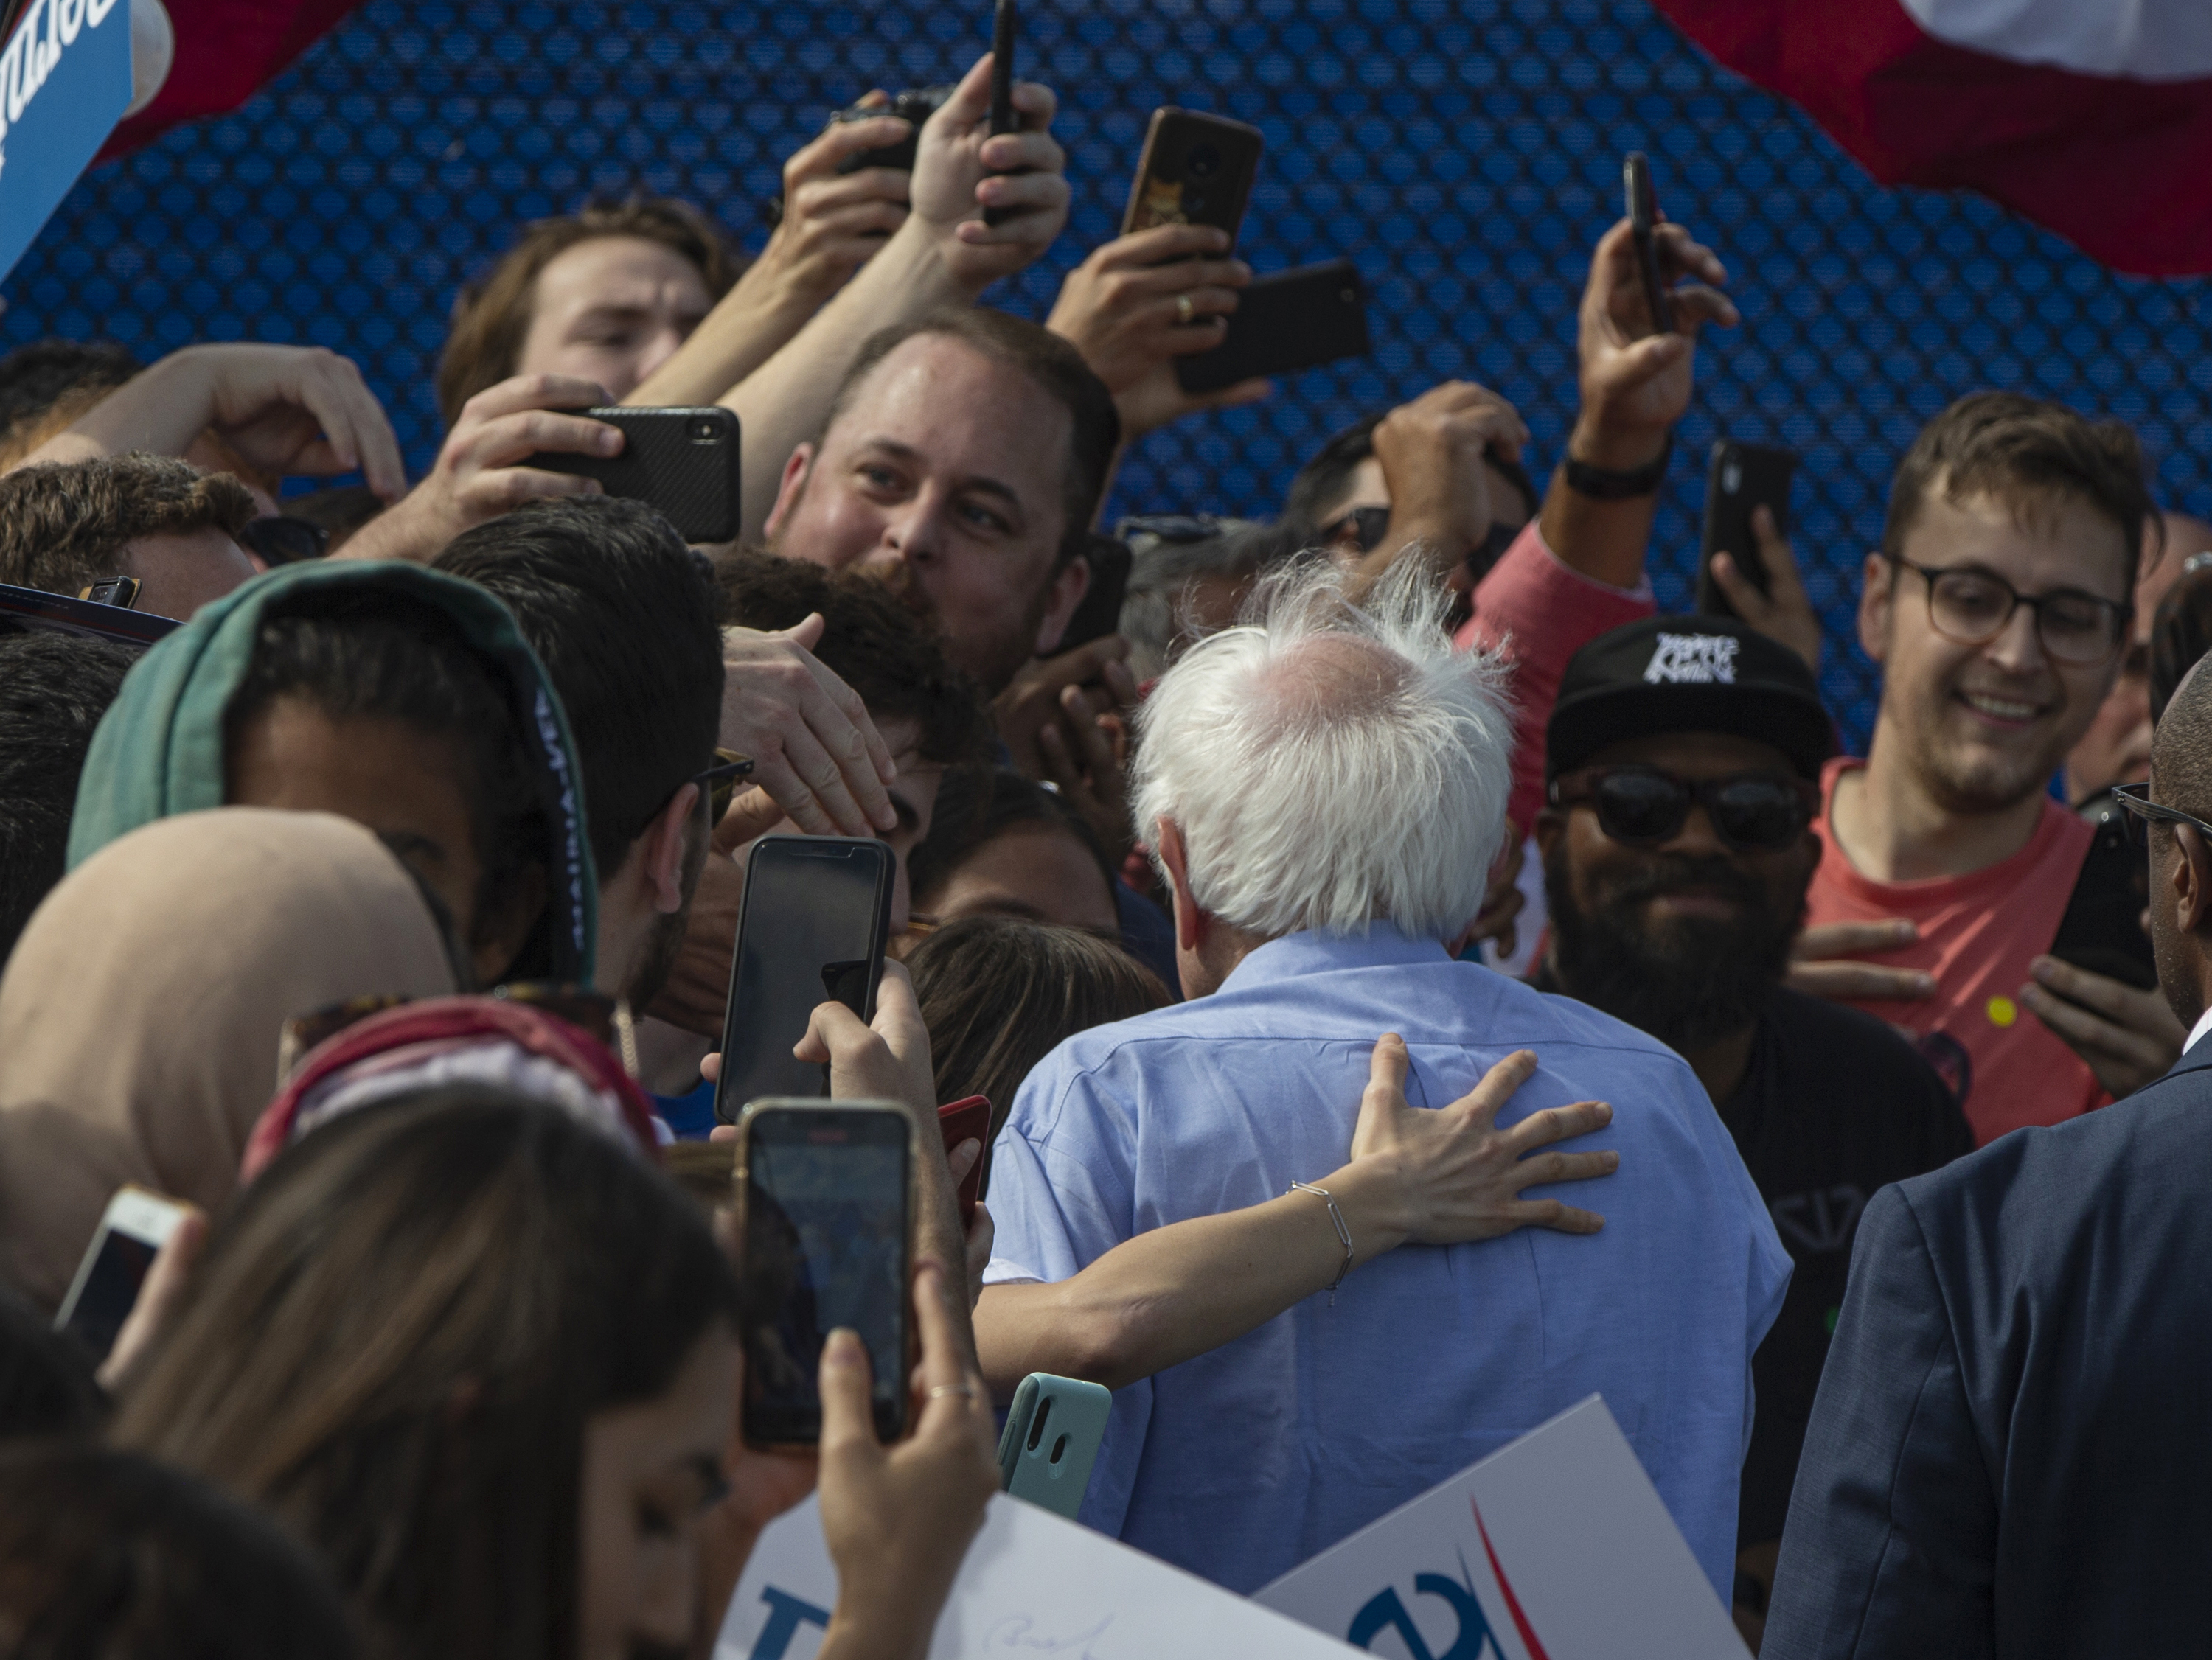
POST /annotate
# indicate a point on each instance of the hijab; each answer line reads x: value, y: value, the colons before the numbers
x: 141, y: 1011
x: 160, y: 749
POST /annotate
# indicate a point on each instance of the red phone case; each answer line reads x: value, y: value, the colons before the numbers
x: 968, y: 1121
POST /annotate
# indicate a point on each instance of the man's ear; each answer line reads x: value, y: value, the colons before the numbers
x: 1191, y: 923
x: 664, y: 850
x: 2192, y: 879
x: 789, y: 489
x: 1551, y: 825
x: 1069, y: 589
x: 1877, y: 589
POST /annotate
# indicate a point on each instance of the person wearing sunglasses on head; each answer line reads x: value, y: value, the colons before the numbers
x: 1998, y: 607
x: 1682, y: 761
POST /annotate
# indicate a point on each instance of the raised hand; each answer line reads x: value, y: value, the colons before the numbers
x: 960, y: 168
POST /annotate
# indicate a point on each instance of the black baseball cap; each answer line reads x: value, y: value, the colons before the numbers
x: 1687, y: 674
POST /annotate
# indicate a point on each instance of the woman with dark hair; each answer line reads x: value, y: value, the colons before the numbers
x: 482, y: 1355
x: 108, y: 1553
x: 999, y: 994
x: 1001, y: 844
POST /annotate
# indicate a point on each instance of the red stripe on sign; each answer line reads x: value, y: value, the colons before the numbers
x: 1512, y: 1602
x: 226, y: 50
x: 2115, y: 166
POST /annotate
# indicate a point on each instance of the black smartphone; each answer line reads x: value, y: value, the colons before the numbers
x: 1004, y: 22
x: 683, y: 462
x: 1740, y: 477
x: 1643, y: 216
x: 1292, y: 320
x: 1100, y: 613
x: 2102, y: 931
x: 816, y: 915
x: 1194, y: 170
x: 35, y: 608
x: 120, y: 591
x: 825, y: 1209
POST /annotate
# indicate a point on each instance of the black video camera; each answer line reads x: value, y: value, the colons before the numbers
x: 916, y: 104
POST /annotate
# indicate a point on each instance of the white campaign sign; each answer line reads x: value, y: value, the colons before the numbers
x: 1034, y: 1587
x: 1557, y: 1547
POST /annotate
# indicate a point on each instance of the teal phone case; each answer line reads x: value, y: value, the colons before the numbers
x: 1051, y: 1440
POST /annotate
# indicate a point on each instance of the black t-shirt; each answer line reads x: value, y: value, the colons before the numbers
x: 1834, y: 1105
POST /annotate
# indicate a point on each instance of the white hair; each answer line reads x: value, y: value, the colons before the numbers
x: 1328, y: 764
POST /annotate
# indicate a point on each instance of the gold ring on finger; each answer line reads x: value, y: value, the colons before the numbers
x: 968, y: 1390
x: 1184, y: 310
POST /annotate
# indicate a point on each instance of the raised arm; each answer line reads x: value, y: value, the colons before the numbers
x: 943, y: 255
x: 1635, y: 385
x: 833, y: 223
x: 279, y: 409
x: 1440, y: 1177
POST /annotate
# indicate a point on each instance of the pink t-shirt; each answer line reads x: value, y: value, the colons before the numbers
x: 1537, y: 613
x: 1978, y: 933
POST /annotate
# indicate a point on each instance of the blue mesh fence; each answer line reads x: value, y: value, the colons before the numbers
x: 1465, y: 154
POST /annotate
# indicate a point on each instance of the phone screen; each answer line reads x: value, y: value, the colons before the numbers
x: 825, y: 1247
x: 120, y: 1263
x: 816, y: 909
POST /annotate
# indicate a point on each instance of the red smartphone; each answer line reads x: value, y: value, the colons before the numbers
x: 968, y: 1121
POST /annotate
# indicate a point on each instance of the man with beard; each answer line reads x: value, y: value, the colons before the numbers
x: 621, y: 613
x: 961, y: 461
x: 1681, y: 762
x: 1998, y: 608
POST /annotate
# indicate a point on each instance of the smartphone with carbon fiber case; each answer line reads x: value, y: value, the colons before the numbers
x: 1292, y: 320
x: 683, y: 462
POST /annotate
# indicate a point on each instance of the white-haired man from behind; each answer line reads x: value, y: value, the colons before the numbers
x: 1325, y: 786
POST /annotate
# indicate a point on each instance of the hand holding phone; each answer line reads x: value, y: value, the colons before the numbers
x: 825, y: 1208
x: 1741, y: 479
x: 1287, y: 321
x: 136, y: 1225
x: 815, y: 920
x: 683, y: 462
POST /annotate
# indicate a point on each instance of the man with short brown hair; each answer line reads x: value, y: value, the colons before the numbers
x: 173, y: 528
x: 961, y: 459
x: 1997, y: 607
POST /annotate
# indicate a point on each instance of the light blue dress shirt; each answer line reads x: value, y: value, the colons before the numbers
x: 1241, y: 1463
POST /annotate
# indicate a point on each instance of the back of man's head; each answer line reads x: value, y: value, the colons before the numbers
x: 622, y: 614
x: 46, y: 386
x: 53, y: 690
x: 1329, y: 765
x: 1053, y: 364
x: 491, y: 316
x: 2031, y: 457
x: 62, y: 527
x: 870, y: 640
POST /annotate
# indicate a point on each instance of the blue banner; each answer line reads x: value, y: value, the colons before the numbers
x: 64, y: 82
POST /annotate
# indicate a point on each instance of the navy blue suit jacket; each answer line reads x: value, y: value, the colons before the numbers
x: 2011, y: 1451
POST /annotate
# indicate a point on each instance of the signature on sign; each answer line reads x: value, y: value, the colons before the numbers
x: 1019, y: 1633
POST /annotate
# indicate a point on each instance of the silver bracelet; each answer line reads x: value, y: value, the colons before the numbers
x: 1336, y: 1220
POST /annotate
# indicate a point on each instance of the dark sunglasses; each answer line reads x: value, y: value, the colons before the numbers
x: 1646, y: 807
x: 283, y: 540
x: 2142, y: 812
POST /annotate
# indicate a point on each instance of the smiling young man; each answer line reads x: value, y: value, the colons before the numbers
x: 1997, y: 607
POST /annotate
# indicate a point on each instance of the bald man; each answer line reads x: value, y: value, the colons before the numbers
x: 2008, y: 1455
x: 2116, y: 749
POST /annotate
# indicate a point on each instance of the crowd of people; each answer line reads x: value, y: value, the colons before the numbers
x: 1417, y: 984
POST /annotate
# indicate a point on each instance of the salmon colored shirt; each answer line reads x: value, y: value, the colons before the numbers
x: 1978, y: 933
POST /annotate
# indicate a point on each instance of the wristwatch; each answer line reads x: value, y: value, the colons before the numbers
x: 1604, y: 484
